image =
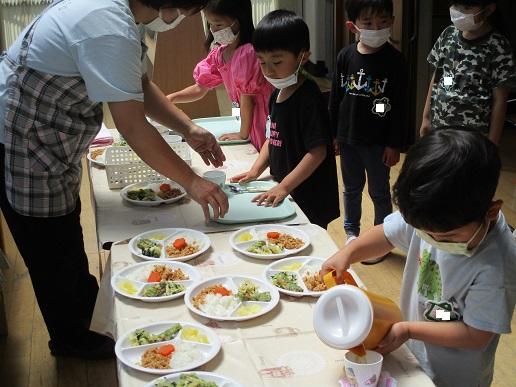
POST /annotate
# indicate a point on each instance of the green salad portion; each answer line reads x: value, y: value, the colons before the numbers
x: 248, y: 291
x: 163, y: 288
x: 142, y: 195
x: 187, y: 380
x: 142, y: 337
x: 264, y: 248
x: 149, y: 248
x: 287, y: 281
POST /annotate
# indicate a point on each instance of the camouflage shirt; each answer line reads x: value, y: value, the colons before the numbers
x: 466, y: 72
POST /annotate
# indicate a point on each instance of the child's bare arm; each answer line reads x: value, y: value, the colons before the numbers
x: 371, y: 244
x: 498, y: 112
x: 425, y: 122
x: 246, y: 119
x: 444, y: 334
x: 261, y: 163
x: 300, y: 173
x: 188, y: 94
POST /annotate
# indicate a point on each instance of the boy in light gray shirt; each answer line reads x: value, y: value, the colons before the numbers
x: 459, y: 284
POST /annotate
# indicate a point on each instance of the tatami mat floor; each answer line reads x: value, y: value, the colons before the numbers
x: 25, y: 360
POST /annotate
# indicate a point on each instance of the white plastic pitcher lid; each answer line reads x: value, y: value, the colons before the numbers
x: 343, y: 317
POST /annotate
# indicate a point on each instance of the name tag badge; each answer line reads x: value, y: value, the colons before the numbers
x: 235, y: 112
x: 380, y: 108
x: 448, y: 81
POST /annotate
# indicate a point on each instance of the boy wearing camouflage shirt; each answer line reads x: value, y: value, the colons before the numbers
x: 473, y: 69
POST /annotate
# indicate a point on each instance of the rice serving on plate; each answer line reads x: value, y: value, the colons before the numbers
x: 218, y: 305
x: 185, y: 355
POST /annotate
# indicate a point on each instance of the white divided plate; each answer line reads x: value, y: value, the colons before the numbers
x: 297, y: 268
x: 155, y: 187
x: 229, y: 311
x: 238, y: 241
x: 135, y: 276
x: 192, y: 354
x: 165, y: 237
x: 219, y: 380
x: 100, y: 160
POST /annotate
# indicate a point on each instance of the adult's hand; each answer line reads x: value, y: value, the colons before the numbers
x: 205, y: 143
x: 206, y: 193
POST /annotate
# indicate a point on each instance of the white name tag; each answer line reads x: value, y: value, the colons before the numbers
x: 448, y: 81
x: 235, y: 112
x: 380, y: 108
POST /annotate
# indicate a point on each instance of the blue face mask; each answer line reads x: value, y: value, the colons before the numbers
x: 460, y: 248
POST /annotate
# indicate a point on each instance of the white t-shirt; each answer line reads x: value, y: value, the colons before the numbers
x: 97, y: 40
x: 478, y: 290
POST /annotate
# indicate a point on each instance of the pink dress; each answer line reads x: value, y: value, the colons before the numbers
x: 241, y: 76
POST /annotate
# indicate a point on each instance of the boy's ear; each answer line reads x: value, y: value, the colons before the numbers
x: 351, y: 26
x: 489, y: 9
x: 306, y: 56
x: 494, y: 209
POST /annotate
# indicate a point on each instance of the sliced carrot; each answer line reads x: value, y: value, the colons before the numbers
x: 166, y: 350
x: 180, y: 243
x: 273, y: 235
x: 154, y: 277
x: 222, y: 291
x: 165, y: 187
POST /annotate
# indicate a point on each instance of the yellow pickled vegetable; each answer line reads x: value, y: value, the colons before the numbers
x: 292, y: 267
x: 246, y: 310
x: 245, y: 237
x: 128, y: 287
x: 193, y: 334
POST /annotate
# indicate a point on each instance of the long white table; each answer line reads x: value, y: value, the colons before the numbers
x: 117, y: 220
x: 277, y: 349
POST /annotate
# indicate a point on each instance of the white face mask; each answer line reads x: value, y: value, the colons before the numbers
x: 465, y: 21
x: 224, y: 36
x: 374, y: 38
x: 283, y: 83
x: 159, y: 25
x: 460, y: 248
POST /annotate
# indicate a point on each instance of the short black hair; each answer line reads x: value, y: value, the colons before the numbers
x: 472, y: 3
x: 448, y: 180
x: 186, y: 4
x: 355, y: 7
x: 281, y: 30
x: 240, y: 10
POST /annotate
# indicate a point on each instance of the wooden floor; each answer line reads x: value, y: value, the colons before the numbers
x: 25, y: 359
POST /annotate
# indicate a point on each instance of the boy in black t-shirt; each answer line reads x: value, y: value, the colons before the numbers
x: 366, y: 106
x: 299, y: 149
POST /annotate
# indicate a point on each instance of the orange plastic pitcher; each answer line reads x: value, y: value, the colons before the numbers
x: 347, y: 317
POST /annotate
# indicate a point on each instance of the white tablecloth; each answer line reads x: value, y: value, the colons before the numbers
x: 277, y: 349
x: 118, y: 220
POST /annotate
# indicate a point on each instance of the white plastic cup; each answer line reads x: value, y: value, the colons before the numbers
x: 215, y: 176
x: 172, y: 138
x: 363, y: 371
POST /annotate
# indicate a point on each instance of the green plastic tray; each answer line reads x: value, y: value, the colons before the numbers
x: 221, y: 125
x: 242, y: 210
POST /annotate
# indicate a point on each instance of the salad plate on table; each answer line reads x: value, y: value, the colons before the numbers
x: 166, y: 347
x: 231, y: 298
x: 188, y: 379
x: 299, y: 276
x: 155, y: 281
x: 269, y: 241
x: 175, y: 244
x: 153, y: 194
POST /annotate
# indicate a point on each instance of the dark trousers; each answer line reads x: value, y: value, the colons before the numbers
x: 53, y: 250
x: 355, y: 161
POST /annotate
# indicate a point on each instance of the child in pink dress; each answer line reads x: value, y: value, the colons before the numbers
x: 232, y: 61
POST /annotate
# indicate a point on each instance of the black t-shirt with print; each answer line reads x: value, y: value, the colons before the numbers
x: 299, y: 124
x: 368, y: 98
